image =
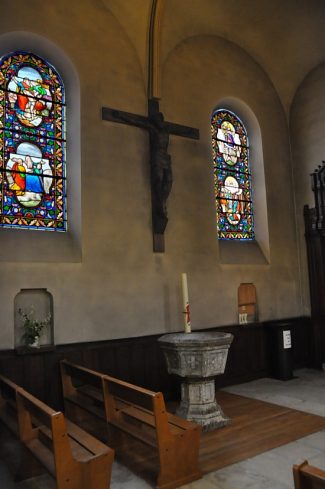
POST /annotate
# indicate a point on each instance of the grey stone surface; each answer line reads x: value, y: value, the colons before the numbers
x: 122, y: 478
x: 40, y: 482
x: 198, y: 404
x: 197, y: 358
x: 6, y: 481
x: 305, y: 392
x: 200, y: 354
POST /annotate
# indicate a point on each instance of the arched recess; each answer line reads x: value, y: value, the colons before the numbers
x: 24, y: 245
x: 256, y: 251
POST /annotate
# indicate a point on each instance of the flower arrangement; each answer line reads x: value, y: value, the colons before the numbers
x: 32, y: 327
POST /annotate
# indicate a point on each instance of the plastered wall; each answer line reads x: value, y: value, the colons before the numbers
x: 307, y: 124
x: 114, y: 285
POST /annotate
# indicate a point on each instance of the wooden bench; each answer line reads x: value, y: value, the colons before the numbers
x: 73, y: 457
x: 136, y: 413
x: 19, y: 460
x: 306, y: 476
x: 8, y: 411
x: 83, y: 398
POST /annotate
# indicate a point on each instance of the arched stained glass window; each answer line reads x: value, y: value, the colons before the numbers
x: 232, y: 178
x: 32, y: 144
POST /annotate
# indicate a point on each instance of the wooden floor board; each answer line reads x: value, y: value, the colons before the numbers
x: 256, y: 427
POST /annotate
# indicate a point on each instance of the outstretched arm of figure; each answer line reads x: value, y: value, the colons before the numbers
x: 122, y: 117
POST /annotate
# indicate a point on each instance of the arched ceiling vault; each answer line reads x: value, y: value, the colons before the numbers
x: 286, y: 37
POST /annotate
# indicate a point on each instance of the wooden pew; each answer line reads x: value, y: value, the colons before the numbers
x: 73, y: 457
x: 82, y: 387
x: 306, y: 476
x: 8, y: 411
x: 133, y: 412
x: 83, y: 398
x: 19, y: 460
x: 141, y: 414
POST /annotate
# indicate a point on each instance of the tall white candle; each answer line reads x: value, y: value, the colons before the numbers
x: 186, y: 305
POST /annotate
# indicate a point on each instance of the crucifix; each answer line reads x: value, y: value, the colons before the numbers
x: 160, y: 161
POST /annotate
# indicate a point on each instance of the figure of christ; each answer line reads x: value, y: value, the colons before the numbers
x: 160, y: 163
x: 161, y: 170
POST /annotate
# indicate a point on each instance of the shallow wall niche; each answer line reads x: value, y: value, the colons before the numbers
x: 38, y: 305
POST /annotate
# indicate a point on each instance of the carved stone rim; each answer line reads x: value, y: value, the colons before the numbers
x: 202, y: 339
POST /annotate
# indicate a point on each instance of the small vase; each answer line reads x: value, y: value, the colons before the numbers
x: 35, y: 343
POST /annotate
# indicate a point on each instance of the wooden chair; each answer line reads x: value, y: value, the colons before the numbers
x: 133, y: 412
x: 306, y: 476
x: 75, y: 458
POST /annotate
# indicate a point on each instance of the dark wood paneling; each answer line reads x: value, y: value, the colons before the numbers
x: 246, y: 357
x: 140, y: 361
x: 315, y: 245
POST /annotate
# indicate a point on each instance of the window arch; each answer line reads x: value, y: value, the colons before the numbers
x: 232, y: 177
x: 32, y: 144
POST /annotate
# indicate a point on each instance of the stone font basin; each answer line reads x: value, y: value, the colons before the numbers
x: 199, y: 354
x: 198, y: 358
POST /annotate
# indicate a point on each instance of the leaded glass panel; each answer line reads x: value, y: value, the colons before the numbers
x: 232, y: 178
x: 32, y: 144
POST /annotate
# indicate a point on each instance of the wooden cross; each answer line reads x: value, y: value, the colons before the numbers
x: 160, y: 161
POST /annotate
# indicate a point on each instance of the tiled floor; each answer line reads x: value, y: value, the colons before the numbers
x: 270, y: 470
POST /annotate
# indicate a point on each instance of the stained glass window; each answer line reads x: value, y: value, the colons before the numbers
x: 232, y: 178
x: 32, y: 144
